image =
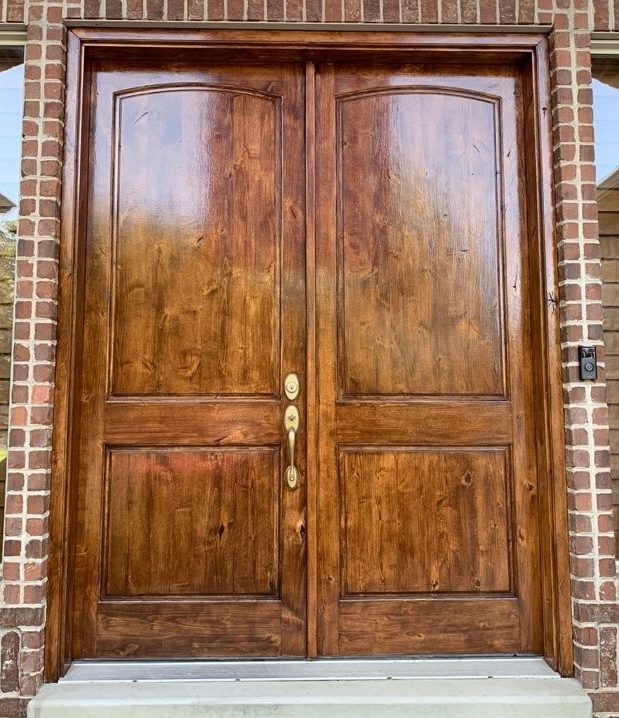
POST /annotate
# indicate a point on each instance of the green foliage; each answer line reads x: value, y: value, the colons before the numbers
x: 8, y: 238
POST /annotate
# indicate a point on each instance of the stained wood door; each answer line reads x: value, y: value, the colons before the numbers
x: 427, y: 487
x: 187, y: 542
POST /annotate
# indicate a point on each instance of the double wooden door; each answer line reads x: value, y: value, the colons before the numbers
x: 364, y: 228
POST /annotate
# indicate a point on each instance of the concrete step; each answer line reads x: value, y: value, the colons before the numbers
x: 546, y: 697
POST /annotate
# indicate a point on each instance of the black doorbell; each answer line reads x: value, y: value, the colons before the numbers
x: 588, y: 363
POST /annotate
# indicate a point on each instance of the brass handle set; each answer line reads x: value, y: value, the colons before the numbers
x: 291, y: 426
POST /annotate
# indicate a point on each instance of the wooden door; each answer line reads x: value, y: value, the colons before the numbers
x: 187, y: 541
x: 427, y: 487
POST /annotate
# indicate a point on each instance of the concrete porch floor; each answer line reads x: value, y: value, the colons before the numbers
x: 461, y: 688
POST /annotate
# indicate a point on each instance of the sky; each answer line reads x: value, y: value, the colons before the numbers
x: 606, y: 127
x: 11, y: 107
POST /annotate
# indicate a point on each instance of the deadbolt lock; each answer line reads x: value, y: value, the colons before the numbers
x: 291, y: 386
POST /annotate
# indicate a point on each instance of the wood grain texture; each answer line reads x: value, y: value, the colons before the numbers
x: 554, y: 559
x: 197, y: 232
x: 195, y: 282
x: 419, y: 243
x: 245, y: 628
x: 426, y: 344
x: 203, y: 627
x: 201, y: 522
x: 425, y: 521
x: 444, y: 626
x: 311, y: 419
x: 462, y: 422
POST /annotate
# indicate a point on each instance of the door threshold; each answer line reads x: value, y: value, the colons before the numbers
x: 127, y: 671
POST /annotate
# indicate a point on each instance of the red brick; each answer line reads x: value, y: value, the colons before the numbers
x: 410, y: 10
x: 526, y: 12
x: 154, y: 9
x: 573, y: 158
x: 235, y: 9
x: 333, y: 11
x: 215, y: 10
x: 352, y: 10
x: 13, y: 707
x: 371, y: 10
x: 176, y: 9
x: 36, y: 548
x: 468, y: 8
x: 449, y: 11
x: 313, y: 10
x: 391, y: 10
x: 429, y: 10
x: 92, y: 9
x: 255, y: 10
x: 195, y: 10
x: 488, y: 12
x: 15, y: 11
x: 9, y: 671
x: 507, y: 12
x: 135, y: 9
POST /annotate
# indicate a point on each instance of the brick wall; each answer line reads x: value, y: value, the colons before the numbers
x: 594, y: 583
x: 7, y: 277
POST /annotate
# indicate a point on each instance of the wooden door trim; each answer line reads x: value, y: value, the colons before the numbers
x: 311, y: 418
x: 527, y: 50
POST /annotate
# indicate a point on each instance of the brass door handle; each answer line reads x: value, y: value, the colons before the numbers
x: 291, y: 424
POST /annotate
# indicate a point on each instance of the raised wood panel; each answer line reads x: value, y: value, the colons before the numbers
x: 199, y: 423
x: 439, y: 626
x: 425, y: 520
x: 464, y: 422
x: 200, y: 522
x: 419, y: 243
x: 226, y: 629
x: 196, y: 298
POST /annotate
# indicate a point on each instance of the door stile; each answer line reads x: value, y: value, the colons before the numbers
x: 526, y: 499
x: 326, y: 292
x: 311, y: 418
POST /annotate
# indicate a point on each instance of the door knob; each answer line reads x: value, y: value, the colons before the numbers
x: 291, y: 425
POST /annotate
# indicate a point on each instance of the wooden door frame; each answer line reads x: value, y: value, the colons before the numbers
x: 526, y: 50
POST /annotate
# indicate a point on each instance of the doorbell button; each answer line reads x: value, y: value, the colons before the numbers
x: 588, y: 363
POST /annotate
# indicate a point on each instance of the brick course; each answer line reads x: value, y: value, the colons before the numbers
x: 593, y: 580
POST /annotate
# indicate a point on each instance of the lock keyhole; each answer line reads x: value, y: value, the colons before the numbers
x: 291, y: 386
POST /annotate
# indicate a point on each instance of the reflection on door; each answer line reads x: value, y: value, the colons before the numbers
x: 190, y: 520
